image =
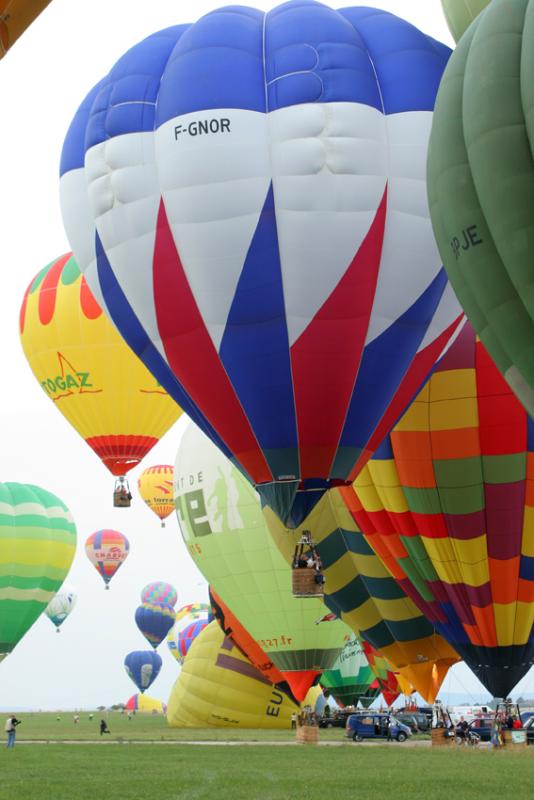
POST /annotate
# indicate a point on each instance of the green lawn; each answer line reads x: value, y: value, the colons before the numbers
x: 240, y: 772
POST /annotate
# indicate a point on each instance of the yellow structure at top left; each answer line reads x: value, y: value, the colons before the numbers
x: 88, y: 371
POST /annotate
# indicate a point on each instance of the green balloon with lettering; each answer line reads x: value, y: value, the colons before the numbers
x: 461, y: 13
x: 223, y: 527
x: 481, y: 184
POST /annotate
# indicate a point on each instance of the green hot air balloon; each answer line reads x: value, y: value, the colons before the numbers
x: 38, y: 542
x: 461, y: 13
x: 350, y: 678
x: 481, y: 184
x: 222, y: 524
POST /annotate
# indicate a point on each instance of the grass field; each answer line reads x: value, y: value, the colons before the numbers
x: 160, y: 771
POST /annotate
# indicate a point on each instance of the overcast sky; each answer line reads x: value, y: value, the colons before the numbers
x: 44, y: 78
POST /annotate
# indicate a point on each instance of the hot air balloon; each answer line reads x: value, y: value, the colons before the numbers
x: 447, y: 503
x: 461, y: 13
x: 239, y: 635
x: 185, y: 617
x: 481, y: 188
x: 90, y: 374
x: 15, y: 17
x: 293, y: 301
x: 143, y: 704
x: 155, y: 620
x: 155, y: 487
x: 159, y: 592
x: 107, y: 550
x: 351, y: 676
x: 188, y: 636
x: 38, y: 545
x: 143, y: 667
x: 219, y: 687
x: 61, y: 606
x: 360, y: 590
x: 221, y: 522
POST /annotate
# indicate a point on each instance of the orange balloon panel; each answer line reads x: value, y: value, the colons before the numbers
x: 15, y: 17
x: 88, y: 371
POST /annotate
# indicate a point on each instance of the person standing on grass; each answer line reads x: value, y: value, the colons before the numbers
x: 11, y: 729
x: 104, y: 727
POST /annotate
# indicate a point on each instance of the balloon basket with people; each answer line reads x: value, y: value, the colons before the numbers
x: 306, y: 569
x: 122, y: 497
x: 307, y: 726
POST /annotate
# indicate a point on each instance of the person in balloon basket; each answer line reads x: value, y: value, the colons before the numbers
x: 461, y: 728
x: 104, y: 727
x: 11, y: 729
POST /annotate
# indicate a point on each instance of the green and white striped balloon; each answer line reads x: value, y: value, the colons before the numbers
x: 37, y: 546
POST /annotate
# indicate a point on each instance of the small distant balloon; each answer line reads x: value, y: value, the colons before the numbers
x: 156, y: 489
x: 107, y: 550
x: 61, y: 606
x: 159, y: 592
x: 155, y: 620
x: 143, y: 667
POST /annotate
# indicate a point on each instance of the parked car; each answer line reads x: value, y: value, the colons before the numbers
x: 414, y: 720
x: 529, y: 727
x: 375, y: 726
x: 482, y: 727
x: 336, y: 720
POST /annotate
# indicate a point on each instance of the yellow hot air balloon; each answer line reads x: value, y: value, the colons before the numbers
x: 155, y: 487
x: 89, y: 372
x: 219, y: 687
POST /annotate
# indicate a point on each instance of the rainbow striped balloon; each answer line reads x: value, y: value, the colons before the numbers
x: 38, y: 542
x: 107, y: 550
x: 448, y: 504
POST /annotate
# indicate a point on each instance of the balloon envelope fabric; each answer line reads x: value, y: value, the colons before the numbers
x: 107, y: 550
x: 481, y: 184
x: 293, y: 301
x: 84, y: 366
x: 219, y: 687
x: 360, y: 590
x: 159, y: 592
x: 155, y: 620
x: 15, y: 17
x: 38, y: 542
x: 143, y: 667
x: 448, y: 504
x: 461, y: 13
x: 222, y: 525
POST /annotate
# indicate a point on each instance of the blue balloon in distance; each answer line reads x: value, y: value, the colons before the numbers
x: 143, y: 667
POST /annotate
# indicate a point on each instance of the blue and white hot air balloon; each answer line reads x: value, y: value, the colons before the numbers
x: 246, y: 196
x: 143, y: 667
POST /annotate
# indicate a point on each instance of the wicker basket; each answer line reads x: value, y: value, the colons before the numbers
x: 121, y: 500
x: 308, y: 734
x: 304, y: 583
x: 440, y: 737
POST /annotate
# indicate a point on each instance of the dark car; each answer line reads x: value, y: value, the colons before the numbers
x: 336, y: 720
x: 529, y: 727
x: 482, y: 727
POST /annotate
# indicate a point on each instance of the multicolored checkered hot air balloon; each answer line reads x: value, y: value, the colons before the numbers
x: 159, y: 592
x: 188, y: 636
x: 155, y: 620
x: 38, y: 542
x: 448, y: 504
x: 360, y: 590
x: 187, y: 616
x: 155, y: 487
x: 246, y: 195
x: 107, y: 550
x: 86, y: 369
